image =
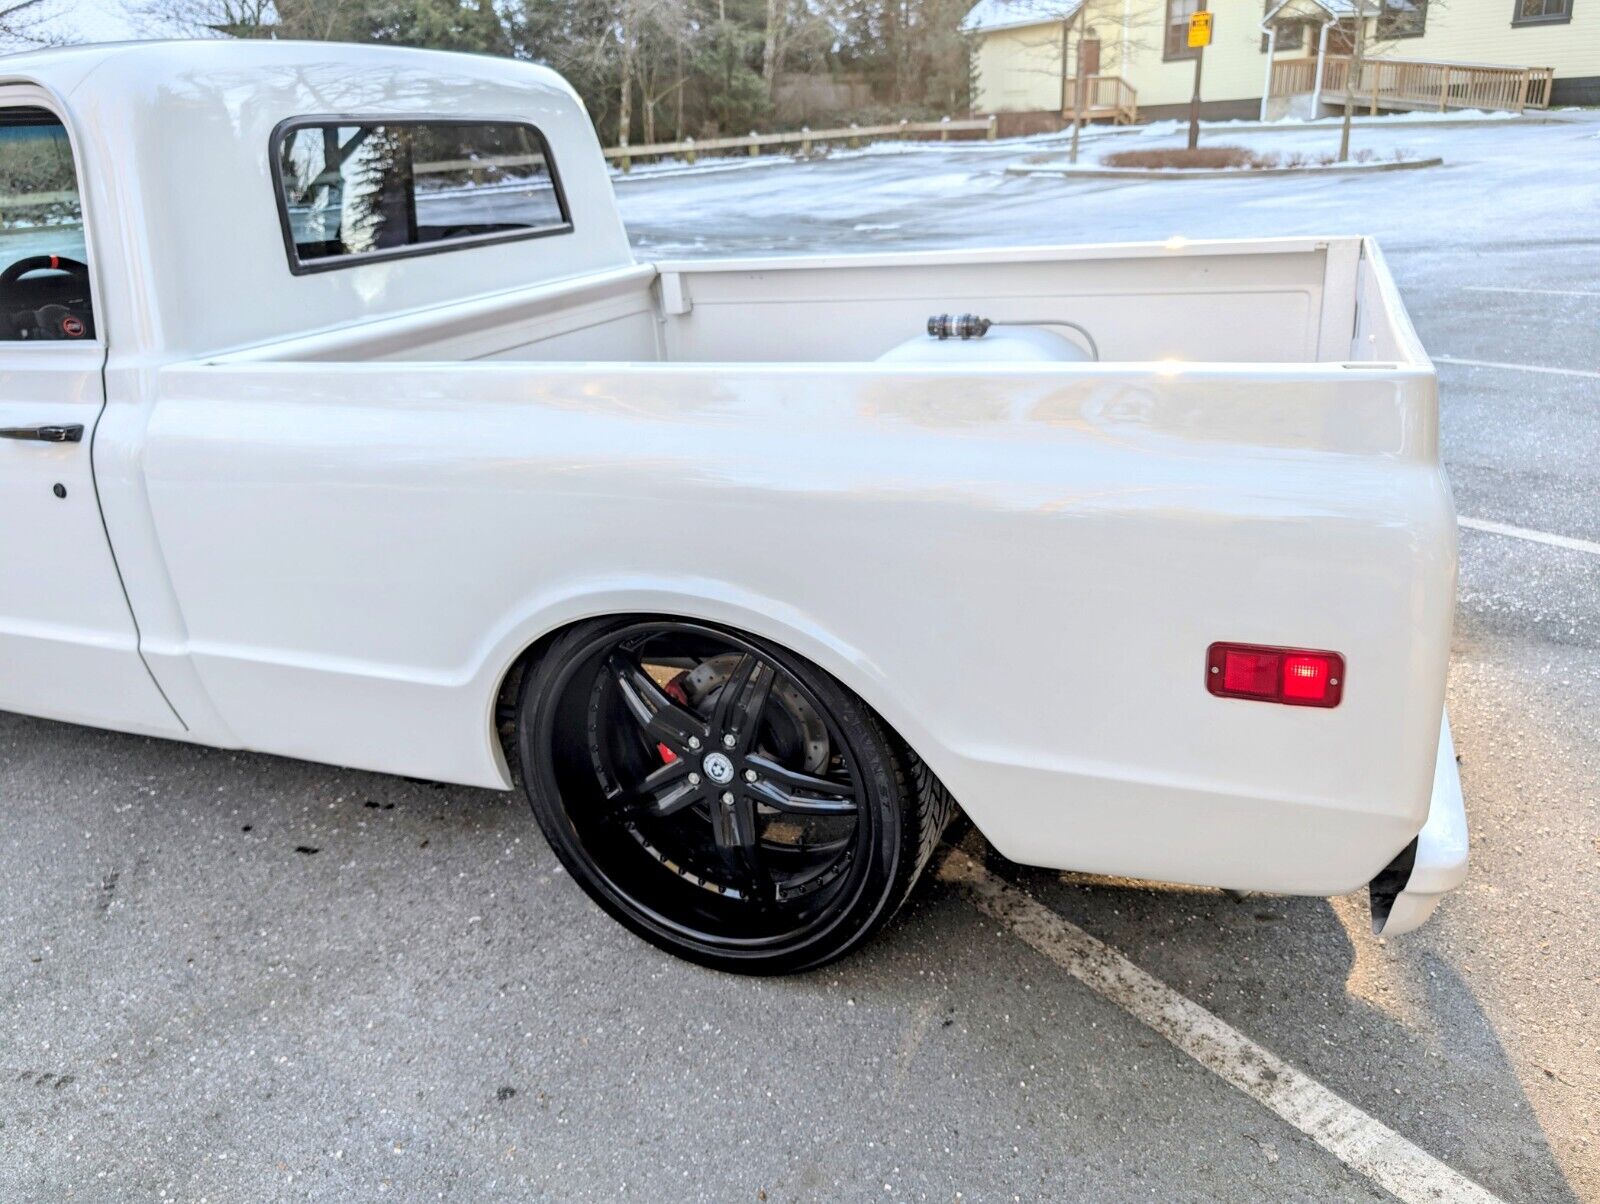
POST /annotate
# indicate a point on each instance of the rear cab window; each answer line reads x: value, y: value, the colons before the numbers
x: 351, y: 191
x: 44, y: 273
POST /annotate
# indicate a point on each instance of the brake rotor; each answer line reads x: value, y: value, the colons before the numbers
x: 808, y: 733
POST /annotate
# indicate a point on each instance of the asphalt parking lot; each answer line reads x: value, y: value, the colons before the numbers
x: 421, y: 1006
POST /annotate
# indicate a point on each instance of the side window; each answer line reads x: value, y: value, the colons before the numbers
x: 352, y: 192
x: 44, y: 276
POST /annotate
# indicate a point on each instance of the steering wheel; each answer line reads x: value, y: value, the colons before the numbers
x: 52, y: 321
x: 43, y: 263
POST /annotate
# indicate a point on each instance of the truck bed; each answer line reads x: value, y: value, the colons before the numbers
x: 1269, y: 301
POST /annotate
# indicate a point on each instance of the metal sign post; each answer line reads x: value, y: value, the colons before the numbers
x: 1199, y: 39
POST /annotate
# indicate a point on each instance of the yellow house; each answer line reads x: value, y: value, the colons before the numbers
x: 1270, y: 56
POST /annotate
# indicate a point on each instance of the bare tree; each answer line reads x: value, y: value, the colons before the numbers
x: 1362, y: 45
x: 201, y: 18
x: 662, y: 29
x: 30, y: 23
x: 1358, y: 46
x: 771, y: 47
x: 628, y: 20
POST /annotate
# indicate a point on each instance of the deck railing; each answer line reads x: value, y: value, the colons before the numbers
x: 754, y: 143
x: 1294, y: 77
x: 1417, y: 84
x: 1104, y: 96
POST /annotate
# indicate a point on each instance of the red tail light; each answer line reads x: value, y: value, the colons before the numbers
x: 1293, y: 676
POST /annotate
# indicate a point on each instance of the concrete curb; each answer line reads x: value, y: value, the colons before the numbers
x: 1229, y: 173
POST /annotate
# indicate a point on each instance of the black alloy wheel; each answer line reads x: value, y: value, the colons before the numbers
x: 724, y: 799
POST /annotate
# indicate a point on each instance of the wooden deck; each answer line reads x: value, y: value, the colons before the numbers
x: 1105, y: 98
x: 1412, y: 84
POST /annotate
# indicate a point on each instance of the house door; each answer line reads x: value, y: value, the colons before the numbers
x: 1088, y: 57
x: 68, y: 646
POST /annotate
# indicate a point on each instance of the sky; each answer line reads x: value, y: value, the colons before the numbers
x: 94, y: 21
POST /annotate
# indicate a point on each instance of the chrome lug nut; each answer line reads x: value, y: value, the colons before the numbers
x: 727, y: 798
x: 694, y: 741
x: 729, y: 740
x: 749, y: 775
x: 694, y: 779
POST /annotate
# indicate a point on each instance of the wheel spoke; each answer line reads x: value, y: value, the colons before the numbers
x: 733, y: 827
x: 669, y: 790
x: 661, y: 717
x: 744, y: 700
x: 799, y: 793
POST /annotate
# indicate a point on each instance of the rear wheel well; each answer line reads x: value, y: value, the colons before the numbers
x: 505, y: 699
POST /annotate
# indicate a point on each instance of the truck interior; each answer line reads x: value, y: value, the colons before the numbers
x: 44, y: 281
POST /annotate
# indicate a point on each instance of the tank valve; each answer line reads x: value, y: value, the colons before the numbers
x: 971, y: 326
x: 958, y: 326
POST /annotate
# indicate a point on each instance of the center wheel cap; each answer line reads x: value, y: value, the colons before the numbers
x: 719, y: 768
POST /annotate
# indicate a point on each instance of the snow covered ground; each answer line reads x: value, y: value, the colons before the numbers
x: 1497, y: 176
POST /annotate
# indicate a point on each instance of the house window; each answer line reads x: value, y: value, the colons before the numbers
x: 1291, y: 34
x: 1541, y: 12
x: 1178, y: 12
x: 1403, y: 19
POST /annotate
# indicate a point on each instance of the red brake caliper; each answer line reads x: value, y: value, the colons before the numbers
x: 673, y: 690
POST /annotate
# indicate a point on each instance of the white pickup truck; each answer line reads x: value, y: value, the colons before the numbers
x: 341, y: 423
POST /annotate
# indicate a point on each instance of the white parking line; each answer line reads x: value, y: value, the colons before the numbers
x: 1555, y: 541
x: 1542, y: 292
x: 1583, y: 372
x: 1338, y: 1126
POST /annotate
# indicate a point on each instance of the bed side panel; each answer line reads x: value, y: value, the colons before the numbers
x: 1021, y: 570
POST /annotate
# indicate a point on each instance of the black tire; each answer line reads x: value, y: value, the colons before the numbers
x: 810, y: 843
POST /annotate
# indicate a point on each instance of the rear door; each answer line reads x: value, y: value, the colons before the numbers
x: 68, y: 645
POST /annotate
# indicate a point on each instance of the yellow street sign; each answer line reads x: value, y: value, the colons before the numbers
x: 1199, y: 29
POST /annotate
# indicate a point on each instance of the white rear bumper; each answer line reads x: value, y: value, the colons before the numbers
x: 1440, y: 862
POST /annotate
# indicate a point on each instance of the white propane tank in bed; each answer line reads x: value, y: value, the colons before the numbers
x: 1004, y: 344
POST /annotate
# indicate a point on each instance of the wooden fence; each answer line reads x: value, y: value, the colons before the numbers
x: 854, y: 135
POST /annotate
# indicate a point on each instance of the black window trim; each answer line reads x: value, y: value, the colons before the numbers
x: 1390, y: 34
x: 333, y: 263
x: 1517, y: 20
x: 1279, y: 44
x: 1182, y: 54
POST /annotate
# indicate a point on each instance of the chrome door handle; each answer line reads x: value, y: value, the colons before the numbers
x: 44, y: 434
